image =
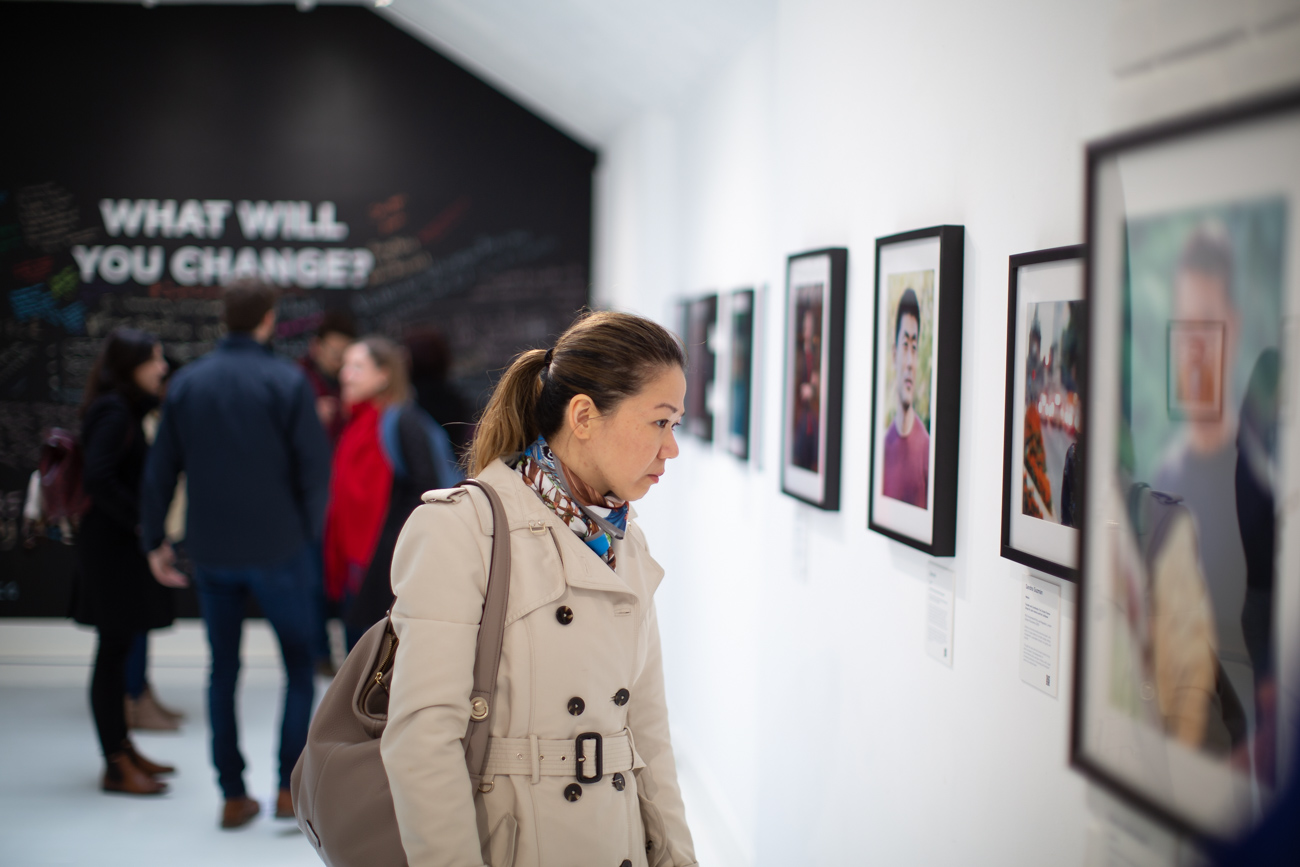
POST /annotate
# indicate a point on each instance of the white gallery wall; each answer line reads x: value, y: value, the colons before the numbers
x: 803, y: 703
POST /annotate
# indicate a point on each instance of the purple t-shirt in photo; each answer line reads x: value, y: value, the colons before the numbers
x: 907, y: 465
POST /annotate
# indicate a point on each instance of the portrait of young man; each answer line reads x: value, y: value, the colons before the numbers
x: 906, y: 467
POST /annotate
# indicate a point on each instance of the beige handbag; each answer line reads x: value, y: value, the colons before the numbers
x: 340, y: 790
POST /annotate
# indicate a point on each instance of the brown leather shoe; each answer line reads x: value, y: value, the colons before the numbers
x: 284, y: 805
x: 121, y: 775
x: 144, y: 714
x: 238, y: 812
x: 163, y: 709
x: 153, y: 769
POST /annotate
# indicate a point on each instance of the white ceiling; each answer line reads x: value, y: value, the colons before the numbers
x: 586, y: 66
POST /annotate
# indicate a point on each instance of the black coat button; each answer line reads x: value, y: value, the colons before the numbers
x: 621, y: 697
x: 625, y: 863
x: 564, y: 614
x: 619, y: 783
x: 648, y: 846
x: 576, y: 706
x: 572, y: 792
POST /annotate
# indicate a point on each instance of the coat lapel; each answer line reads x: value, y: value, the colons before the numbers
x: 525, y: 510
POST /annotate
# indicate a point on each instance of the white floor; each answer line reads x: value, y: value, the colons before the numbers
x: 51, y: 809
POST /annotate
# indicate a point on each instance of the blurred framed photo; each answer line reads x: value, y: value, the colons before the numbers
x: 1195, y: 365
x: 740, y: 351
x: 1189, y: 622
x: 1041, y: 485
x: 701, y: 365
x: 916, y: 388
x: 814, y: 374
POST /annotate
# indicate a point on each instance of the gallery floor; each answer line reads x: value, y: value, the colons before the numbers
x: 51, y: 809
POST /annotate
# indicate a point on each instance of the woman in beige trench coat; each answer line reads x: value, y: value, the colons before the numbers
x: 570, y: 437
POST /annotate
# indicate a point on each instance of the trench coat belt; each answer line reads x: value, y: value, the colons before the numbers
x: 534, y: 757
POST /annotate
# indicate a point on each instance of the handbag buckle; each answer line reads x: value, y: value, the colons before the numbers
x: 580, y: 764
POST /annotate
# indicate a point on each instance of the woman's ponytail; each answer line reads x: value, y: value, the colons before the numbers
x: 509, y: 424
x: 606, y: 356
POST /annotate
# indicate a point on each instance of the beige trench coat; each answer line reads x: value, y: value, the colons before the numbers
x: 611, y: 643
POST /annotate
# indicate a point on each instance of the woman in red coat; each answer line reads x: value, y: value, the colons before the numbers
x: 390, y: 452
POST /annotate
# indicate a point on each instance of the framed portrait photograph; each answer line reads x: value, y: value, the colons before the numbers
x: 1041, y: 486
x: 814, y: 374
x: 916, y: 389
x: 701, y: 366
x: 1189, y: 625
x: 740, y: 312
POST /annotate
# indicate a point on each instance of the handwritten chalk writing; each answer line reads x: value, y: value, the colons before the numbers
x: 64, y: 283
x: 444, y: 222
x: 168, y: 307
x: 389, y: 215
x: 34, y: 270
x: 48, y: 216
x: 290, y: 221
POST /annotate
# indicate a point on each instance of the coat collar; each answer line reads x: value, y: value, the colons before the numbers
x: 524, y: 510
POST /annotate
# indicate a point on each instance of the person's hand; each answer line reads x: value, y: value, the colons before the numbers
x: 162, y: 563
x: 327, y: 409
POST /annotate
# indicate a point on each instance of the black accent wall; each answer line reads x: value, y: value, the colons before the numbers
x: 149, y: 154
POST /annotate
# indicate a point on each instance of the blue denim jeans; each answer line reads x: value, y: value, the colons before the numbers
x: 284, y: 592
x: 136, y: 665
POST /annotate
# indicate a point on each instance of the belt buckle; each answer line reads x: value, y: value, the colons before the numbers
x: 581, y: 759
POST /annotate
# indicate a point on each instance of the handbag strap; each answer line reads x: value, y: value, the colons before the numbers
x: 491, y: 631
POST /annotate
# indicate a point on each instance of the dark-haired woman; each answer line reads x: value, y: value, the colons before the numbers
x: 570, y: 437
x: 115, y: 591
x: 390, y: 452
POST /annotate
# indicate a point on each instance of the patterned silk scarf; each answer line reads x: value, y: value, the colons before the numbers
x: 595, y: 526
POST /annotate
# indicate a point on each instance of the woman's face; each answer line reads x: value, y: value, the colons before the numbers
x: 630, y: 446
x: 149, y: 375
x: 360, y: 379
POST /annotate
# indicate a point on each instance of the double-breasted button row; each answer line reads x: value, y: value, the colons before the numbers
x: 573, y: 791
x: 577, y: 705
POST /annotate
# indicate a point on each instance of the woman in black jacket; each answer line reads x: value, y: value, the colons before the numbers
x: 115, y: 591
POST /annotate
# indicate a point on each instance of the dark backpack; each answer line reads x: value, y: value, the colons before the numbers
x: 62, y: 496
x: 56, y: 499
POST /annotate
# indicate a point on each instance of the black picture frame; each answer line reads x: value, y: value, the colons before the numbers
x: 1013, y: 451
x: 740, y: 373
x: 1263, y: 116
x: 810, y: 454
x: 931, y: 528
x: 701, y: 365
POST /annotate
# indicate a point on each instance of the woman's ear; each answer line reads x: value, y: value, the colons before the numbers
x: 582, y: 412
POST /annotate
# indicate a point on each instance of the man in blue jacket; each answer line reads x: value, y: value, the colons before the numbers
x: 242, y: 425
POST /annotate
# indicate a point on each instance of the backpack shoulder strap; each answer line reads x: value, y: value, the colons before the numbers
x: 390, y: 439
x: 491, y: 631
